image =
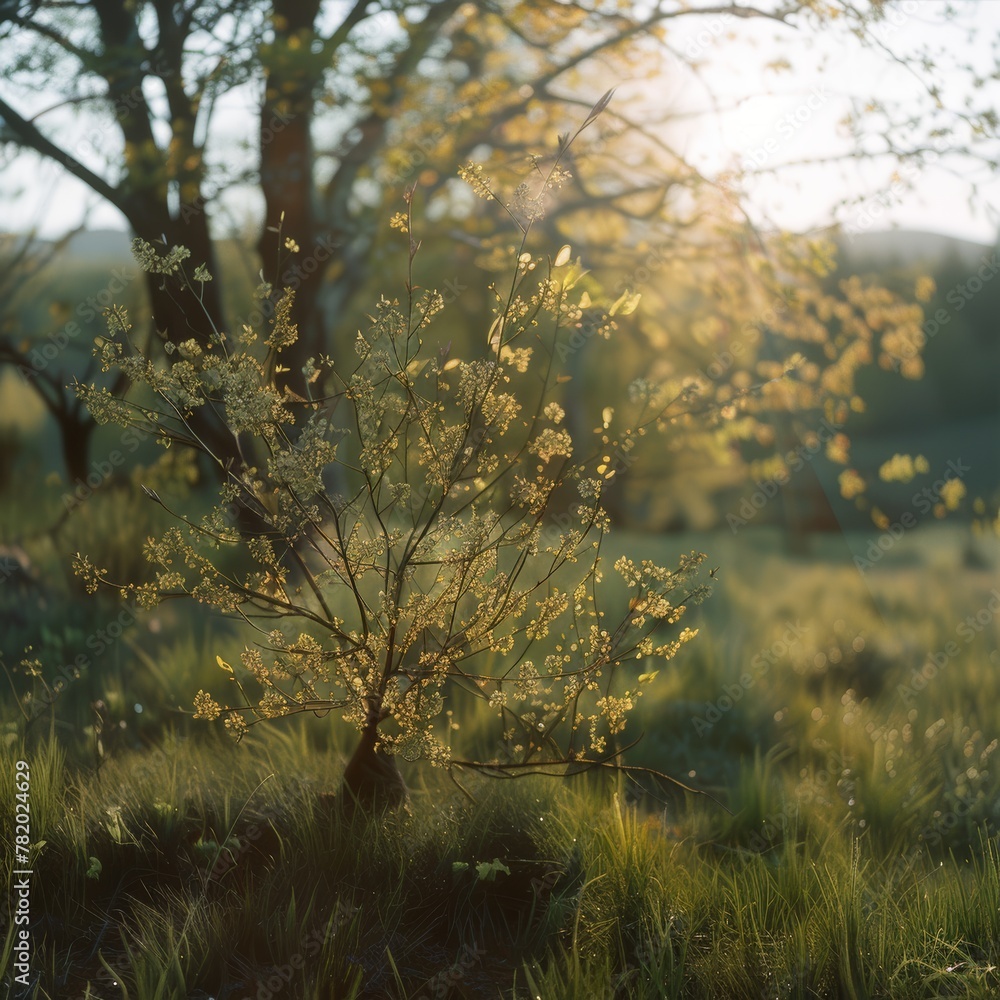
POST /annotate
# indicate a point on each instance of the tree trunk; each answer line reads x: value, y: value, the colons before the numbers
x: 76, y: 430
x: 180, y: 313
x: 372, y: 780
x: 292, y: 76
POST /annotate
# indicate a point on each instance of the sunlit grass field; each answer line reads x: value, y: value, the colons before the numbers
x: 842, y: 724
x: 184, y: 875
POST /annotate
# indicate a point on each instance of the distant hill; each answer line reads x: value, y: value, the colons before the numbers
x: 893, y: 248
x: 95, y: 245
x: 101, y: 244
x: 903, y: 248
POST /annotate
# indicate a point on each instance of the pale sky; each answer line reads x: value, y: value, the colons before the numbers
x: 797, y: 116
x: 781, y: 117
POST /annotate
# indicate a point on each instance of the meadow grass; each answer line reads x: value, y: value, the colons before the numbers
x: 854, y: 852
x: 200, y: 872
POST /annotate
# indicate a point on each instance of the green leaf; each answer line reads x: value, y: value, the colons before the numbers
x: 625, y: 303
x: 115, y: 826
x: 488, y: 870
x: 573, y: 276
x: 95, y: 869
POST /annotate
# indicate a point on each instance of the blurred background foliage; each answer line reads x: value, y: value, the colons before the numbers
x: 767, y: 338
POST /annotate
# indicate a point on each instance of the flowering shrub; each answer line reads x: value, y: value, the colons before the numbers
x: 406, y: 537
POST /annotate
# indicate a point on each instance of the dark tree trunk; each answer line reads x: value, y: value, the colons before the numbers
x: 152, y: 177
x: 292, y: 75
x: 372, y: 780
x: 75, y: 431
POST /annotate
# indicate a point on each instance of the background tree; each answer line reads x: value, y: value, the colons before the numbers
x: 358, y: 101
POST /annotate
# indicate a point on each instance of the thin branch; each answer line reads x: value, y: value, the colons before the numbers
x: 30, y: 135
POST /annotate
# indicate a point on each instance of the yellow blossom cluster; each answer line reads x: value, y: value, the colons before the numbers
x: 386, y: 530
